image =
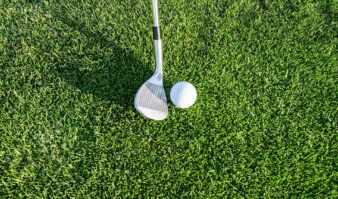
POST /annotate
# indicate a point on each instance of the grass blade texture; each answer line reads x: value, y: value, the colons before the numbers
x: 264, y: 124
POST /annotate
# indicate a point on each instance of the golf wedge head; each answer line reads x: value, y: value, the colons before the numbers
x: 151, y: 100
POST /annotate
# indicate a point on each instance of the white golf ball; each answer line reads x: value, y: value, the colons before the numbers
x: 183, y: 95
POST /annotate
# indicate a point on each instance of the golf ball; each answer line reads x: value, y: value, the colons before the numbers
x: 183, y: 95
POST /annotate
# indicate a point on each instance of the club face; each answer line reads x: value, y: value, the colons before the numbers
x: 151, y: 101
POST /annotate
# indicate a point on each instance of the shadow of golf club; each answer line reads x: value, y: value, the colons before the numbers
x: 115, y: 78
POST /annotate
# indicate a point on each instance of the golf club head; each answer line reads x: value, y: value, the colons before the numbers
x: 151, y: 100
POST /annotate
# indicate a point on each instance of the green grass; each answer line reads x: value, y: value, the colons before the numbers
x: 264, y: 125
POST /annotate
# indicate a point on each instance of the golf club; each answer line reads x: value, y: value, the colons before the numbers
x: 151, y: 99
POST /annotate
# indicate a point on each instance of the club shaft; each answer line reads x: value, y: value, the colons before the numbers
x: 155, y: 10
x: 157, y: 40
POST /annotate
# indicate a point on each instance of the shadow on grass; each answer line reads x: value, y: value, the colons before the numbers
x: 107, y: 71
x: 327, y: 11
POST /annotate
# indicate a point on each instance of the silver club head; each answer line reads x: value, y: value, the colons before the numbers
x: 151, y: 100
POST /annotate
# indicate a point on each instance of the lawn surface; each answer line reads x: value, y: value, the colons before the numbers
x: 264, y: 125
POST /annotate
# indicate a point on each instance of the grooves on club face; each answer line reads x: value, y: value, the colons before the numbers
x: 151, y: 101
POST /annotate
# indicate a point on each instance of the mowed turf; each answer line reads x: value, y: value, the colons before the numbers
x: 264, y: 125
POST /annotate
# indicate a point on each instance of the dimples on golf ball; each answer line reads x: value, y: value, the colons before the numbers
x: 183, y: 95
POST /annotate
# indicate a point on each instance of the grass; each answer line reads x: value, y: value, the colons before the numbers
x: 264, y: 125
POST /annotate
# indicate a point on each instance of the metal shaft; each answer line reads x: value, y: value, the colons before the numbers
x: 155, y: 10
x: 157, y: 40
